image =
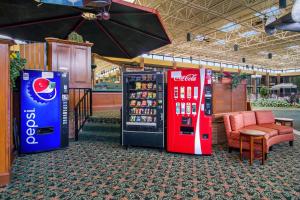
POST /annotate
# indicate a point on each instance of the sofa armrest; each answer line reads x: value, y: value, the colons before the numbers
x: 227, y: 126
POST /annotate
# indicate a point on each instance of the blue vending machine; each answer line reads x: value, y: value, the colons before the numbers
x: 44, y: 111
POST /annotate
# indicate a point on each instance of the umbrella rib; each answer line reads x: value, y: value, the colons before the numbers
x: 76, y: 27
x: 28, y: 23
x: 112, y: 38
x: 139, y: 31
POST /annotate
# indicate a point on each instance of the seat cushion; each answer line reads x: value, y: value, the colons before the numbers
x: 264, y: 117
x: 236, y: 121
x: 269, y: 132
x: 249, y: 118
x: 281, y: 129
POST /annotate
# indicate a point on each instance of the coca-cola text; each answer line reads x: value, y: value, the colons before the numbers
x: 189, y: 77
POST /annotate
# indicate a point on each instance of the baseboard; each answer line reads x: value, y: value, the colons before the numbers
x: 4, y: 179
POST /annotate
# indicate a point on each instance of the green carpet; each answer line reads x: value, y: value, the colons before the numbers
x: 97, y: 167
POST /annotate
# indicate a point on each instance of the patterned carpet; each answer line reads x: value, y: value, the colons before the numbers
x: 97, y: 167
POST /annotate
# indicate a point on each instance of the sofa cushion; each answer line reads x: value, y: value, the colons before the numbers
x: 249, y: 118
x: 264, y: 117
x: 281, y: 129
x: 235, y: 135
x: 269, y: 132
x: 236, y: 121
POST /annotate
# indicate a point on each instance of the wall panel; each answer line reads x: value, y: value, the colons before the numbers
x: 5, y: 115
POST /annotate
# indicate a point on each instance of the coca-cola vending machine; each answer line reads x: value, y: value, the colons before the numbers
x: 189, y: 127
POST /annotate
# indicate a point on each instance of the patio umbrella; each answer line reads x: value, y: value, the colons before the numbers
x: 117, y: 28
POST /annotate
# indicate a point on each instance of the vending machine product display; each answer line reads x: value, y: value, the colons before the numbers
x: 44, y: 111
x: 143, y: 109
x: 189, y: 128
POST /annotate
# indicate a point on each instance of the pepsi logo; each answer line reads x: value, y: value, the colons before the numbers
x: 44, y: 89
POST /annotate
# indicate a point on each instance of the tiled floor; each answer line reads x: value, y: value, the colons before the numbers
x: 97, y: 167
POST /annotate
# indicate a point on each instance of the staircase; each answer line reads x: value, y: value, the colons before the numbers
x: 101, y: 129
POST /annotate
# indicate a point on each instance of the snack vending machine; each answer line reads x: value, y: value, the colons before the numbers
x: 143, y: 109
x: 189, y: 123
x: 44, y: 111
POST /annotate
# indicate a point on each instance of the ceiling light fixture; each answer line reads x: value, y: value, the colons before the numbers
x: 235, y: 47
x: 282, y: 4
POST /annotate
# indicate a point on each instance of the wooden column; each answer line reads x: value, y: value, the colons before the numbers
x: 267, y: 81
x: 142, y: 63
x: 174, y: 65
x: 5, y: 114
x: 278, y: 82
x: 253, y: 83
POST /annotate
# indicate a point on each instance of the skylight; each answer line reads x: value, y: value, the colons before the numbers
x: 293, y: 47
x: 220, y: 42
x: 249, y: 34
x: 269, y: 12
x: 263, y: 53
x: 230, y: 27
x: 199, y: 37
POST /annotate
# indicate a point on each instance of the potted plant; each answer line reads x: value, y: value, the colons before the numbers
x: 238, y: 79
x: 75, y: 37
x: 16, y: 65
x: 233, y: 79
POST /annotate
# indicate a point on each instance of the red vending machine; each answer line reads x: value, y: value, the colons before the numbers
x: 189, y: 127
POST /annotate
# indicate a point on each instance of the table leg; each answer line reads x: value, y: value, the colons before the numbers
x: 241, y: 148
x: 263, y: 151
x: 251, y: 150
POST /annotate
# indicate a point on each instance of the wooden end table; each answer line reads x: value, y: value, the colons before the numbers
x: 253, y: 135
x: 285, y: 121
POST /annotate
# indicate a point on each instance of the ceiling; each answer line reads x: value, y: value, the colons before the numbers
x: 217, y: 25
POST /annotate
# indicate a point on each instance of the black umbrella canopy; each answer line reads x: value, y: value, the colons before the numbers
x: 131, y: 30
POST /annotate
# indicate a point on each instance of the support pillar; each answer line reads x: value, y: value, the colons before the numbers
x: 278, y: 82
x: 142, y: 63
x: 253, y: 84
x: 267, y: 80
x: 5, y: 117
x: 174, y: 65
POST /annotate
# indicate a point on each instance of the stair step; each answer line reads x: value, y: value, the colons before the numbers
x: 101, y: 127
x: 104, y: 120
x: 111, y: 137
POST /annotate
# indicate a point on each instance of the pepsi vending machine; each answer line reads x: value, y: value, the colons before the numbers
x: 189, y: 120
x: 44, y: 111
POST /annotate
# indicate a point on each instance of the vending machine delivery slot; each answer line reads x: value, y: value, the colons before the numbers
x: 45, y: 130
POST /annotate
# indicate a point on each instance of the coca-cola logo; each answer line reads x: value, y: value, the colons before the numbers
x: 189, y: 77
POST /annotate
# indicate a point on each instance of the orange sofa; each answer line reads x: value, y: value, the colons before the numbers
x: 256, y: 120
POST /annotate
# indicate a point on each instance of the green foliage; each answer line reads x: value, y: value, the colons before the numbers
x: 93, y: 66
x: 264, y: 92
x: 75, y: 37
x: 296, y: 81
x: 237, y: 78
x: 273, y: 103
x: 16, y: 65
